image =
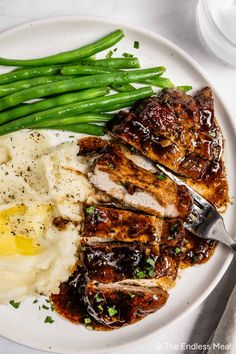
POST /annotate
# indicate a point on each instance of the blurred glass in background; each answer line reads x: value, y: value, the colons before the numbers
x: 216, y: 21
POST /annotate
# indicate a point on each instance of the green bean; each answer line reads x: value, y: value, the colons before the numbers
x: 65, y: 57
x: 99, y: 104
x: 113, y: 108
x: 94, y: 70
x: 184, y: 88
x: 82, y: 118
x: 158, y: 81
x: 113, y: 63
x: 84, y: 70
x: 77, y: 84
x: 91, y: 70
x: 30, y: 108
x: 92, y: 129
x: 28, y: 73
x: 123, y: 88
x: 8, y: 89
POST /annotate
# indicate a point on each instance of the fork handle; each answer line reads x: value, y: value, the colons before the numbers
x: 233, y: 247
x: 219, y: 233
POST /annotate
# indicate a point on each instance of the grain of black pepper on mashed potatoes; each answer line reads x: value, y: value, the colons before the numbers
x: 38, y: 182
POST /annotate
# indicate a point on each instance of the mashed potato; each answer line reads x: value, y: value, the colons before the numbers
x: 38, y: 183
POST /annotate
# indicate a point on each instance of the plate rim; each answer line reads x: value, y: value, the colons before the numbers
x: 202, y: 72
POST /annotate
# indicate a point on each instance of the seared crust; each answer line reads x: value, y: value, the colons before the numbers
x: 121, y: 225
x: 180, y: 132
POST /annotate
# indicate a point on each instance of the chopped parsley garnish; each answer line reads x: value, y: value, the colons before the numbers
x: 139, y: 274
x: 177, y: 250
x: 87, y: 320
x: 45, y: 307
x: 48, y: 319
x: 48, y: 301
x: 71, y: 136
x: 194, y: 260
x: 212, y: 133
x: 151, y: 272
x: 133, y: 149
x: 136, y: 44
x: 131, y: 295
x: 100, y: 308
x: 89, y: 257
x: 35, y: 301
x: 161, y: 177
x: 111, y: 311
x: 98, y: 298
x: 174, y: 228
x: 14, y: 304
x: 184, y: 88
x: 150, y: 261
x: 90, y: 210
x: 127, y: 55
x: 109, y: 54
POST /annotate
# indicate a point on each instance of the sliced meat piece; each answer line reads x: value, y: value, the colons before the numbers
x: 121, y: 225
x: 113, y: 261
x: 119, y: 177
x: 121, y: 305
x: 125, y: 225
x: 132, y: 131
x: 105, y: 306
x: 197, y: 114
x: 174, y: 123
x: 193, y: 149
x: 213, y: 186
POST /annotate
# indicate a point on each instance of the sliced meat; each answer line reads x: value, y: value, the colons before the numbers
x: 125, y: 225
x: 175, y: 124
x: 112, y: 262
x: 181, y: 133
x: 157, y: 147
x: 105, y: 306
x: 121, y: 305
x: 121, y: 225
x: 122, y: 179
x: 197, y: 114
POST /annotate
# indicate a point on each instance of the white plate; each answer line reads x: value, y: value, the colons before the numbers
x: 26, y: 325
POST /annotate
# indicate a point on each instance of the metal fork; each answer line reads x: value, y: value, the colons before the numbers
x: 204, y: 220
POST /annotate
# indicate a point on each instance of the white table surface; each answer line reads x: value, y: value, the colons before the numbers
x: 175, y: 20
